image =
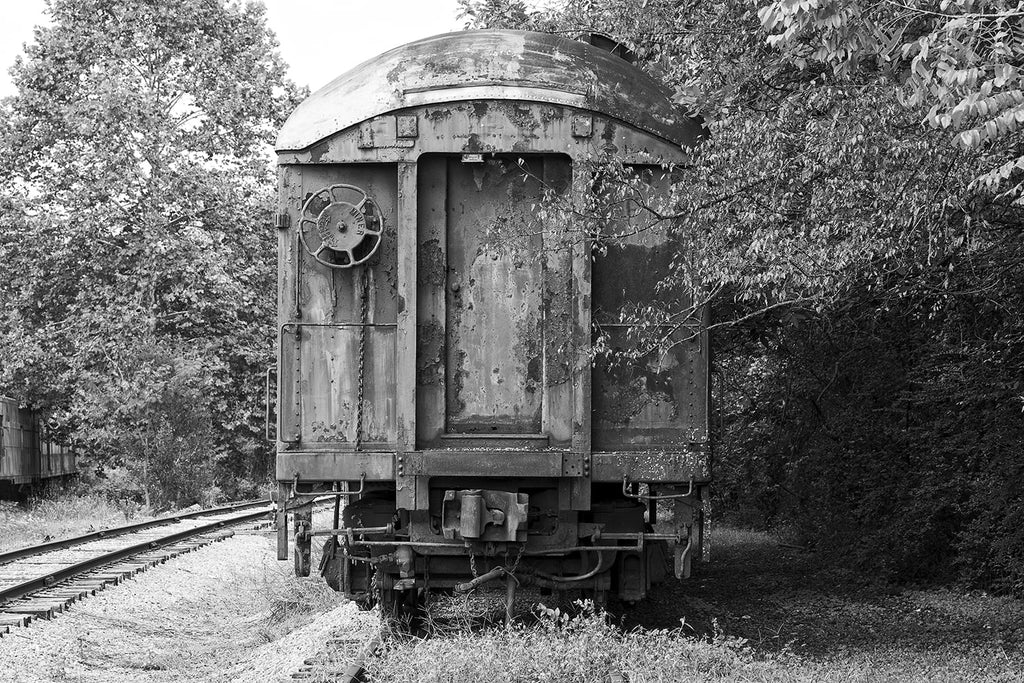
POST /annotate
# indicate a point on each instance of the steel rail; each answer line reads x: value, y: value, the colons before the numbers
x: 64, y: 573
x: 62, y: 543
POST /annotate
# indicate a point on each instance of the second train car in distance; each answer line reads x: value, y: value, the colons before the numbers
x: 435, y: 365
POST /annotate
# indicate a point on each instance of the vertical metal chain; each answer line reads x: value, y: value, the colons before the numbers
x: 472, y: 565
x: 363, y: 316
x: 515, y: 562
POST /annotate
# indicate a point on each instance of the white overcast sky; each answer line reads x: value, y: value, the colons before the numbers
x: 320, y: 39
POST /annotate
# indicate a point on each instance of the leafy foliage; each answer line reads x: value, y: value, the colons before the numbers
x: 961, y: 56
x: 136, y: 186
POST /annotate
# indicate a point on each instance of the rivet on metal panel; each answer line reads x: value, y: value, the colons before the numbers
x: 582, y: 126
x: 408, y: 126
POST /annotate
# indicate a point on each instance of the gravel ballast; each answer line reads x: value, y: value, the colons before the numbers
x: 228, y: 611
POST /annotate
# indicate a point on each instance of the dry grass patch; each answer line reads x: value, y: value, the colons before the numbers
x: 61, y: 515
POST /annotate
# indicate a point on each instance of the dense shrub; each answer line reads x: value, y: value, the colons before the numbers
x: 890, y: 431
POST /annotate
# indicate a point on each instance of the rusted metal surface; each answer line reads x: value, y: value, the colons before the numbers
x: 486, y: 463
x: 332, y: 464
x: 480, y: 127
x: 658, y: 397
x: 458, y: 357
x: 327, y: 386
x: 341, y: 226
x: 652, y: 466
x: 494, y: 336
x: 485, y: 515
x: 494, y: 300
x: 342, y: 311
x: 490, y: 65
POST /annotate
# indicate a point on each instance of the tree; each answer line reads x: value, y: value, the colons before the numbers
x: 961, y: 57
x: 137, y: 187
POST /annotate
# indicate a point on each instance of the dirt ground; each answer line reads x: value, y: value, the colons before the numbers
x: 783, y: 600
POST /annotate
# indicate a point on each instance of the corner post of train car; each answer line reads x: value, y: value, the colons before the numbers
x: 581, y: 280
x: 405, y: 366
x: 288, y: 311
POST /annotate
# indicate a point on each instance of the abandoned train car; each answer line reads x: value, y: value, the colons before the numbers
x: 27, y: 457
x: 435, y: 364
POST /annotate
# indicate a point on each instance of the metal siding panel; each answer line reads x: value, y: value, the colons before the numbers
x: 559, y: 316
x: 6, y: 447
x: 329, y: 357
x: 582, y: 275
x: 488, y: 125
x: 405, y: 366
x: 319, y: 360
x: 331, y: 295
x: 432, y: 268
x: 660, y: 398
x: 494, y: 376
x: 657, y: 400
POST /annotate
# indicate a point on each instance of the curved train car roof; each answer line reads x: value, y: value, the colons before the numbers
x: 502, y: 65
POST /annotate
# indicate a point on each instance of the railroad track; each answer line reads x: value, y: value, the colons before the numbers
x: 37, y: 582
x: 337, y: 663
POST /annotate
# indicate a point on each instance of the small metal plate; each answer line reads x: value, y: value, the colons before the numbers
x: 407, y: 127
x: 582, y: 126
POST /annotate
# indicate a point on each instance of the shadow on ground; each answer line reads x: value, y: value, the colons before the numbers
x: 780, y: 598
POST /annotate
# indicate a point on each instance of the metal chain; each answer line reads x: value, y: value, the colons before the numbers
x: 515, y: 562
x: 363, y: 315
x: 472, y: 565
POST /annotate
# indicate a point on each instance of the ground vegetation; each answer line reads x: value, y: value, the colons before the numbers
x: 758, y: 612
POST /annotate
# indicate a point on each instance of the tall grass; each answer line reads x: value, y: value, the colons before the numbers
x: 560, y: 647
x: 61, y: 514
x: 586, y: 648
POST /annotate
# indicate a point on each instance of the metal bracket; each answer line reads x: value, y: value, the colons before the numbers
x: 475, y: 514
x: 295, y: 493
x: 682, y: 559
x: 582, y: 126
x: 575, y: 464
x: 270, y: 370
x: 644, y: 496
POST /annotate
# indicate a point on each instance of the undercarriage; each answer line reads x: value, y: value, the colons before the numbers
x: 633, y: 536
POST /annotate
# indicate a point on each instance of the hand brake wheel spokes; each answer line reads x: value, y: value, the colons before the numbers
x: 347, y: 231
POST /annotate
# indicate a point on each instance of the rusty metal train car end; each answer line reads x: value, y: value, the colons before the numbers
x: 28, y: 458
x: 435, y: 365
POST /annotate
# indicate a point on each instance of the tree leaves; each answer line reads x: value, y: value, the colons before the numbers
x: 963, y: 60
x: 136, y: 163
